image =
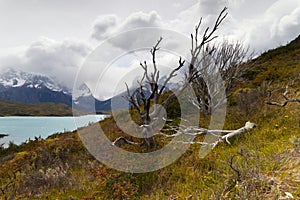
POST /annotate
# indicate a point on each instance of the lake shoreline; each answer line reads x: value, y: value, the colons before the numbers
x: 76, y: 114
x: 19, y: 128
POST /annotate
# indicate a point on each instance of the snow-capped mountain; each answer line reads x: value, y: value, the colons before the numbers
x: 29, y: 87
x: 82, y: 91
x: 14, y: 78
x: 32, y: 88
x: 84, y: 100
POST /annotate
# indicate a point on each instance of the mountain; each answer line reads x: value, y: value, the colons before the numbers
x: 33, y: 88
x: 84, y: 101
x: 27, y: 87
x: 14, y: 78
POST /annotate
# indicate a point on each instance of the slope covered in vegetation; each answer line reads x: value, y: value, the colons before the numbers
x: 278, y: 65
x: 260, y: 164
x: 10, y: 108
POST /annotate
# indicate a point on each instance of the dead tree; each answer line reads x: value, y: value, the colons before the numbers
x: 142, y: 101
x: 230, y: 61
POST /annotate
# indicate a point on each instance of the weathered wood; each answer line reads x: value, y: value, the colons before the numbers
x: 239, y: 131
x: 223, y: 135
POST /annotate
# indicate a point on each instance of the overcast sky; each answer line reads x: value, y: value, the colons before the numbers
x: 55, y: 37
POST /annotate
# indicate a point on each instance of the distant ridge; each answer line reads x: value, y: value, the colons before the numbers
x: 10, y: 108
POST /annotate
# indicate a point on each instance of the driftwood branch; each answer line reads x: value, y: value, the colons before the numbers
x: 239, y: 131
x: 223, y: 135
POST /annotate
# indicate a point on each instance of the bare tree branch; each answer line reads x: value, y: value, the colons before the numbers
x: 225, y: 60
x: 284, y: 95
x: 206, y: 38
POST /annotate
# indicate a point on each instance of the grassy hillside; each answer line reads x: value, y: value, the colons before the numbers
x: 10, y: 108
x: 261, y: 164
x: 278, y: 65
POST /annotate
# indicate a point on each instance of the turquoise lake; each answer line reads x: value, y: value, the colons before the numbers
x: 22, y: 128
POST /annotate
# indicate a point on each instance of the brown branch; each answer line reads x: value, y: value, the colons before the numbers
x: 155, y: 75
x: 285, y: 102
x: 171, y: 75
x: 131, y: 100
x: 235, y: 169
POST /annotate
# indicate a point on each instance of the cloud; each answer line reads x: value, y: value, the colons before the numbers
x: 261, y: 24
x: 289, y: 25
x: 56, y: 58
x: 141, y: 20
x: 211, y: 7
x: 59, y: 59
x: 110, y: 24
x: 276, y: 26
x: 103, y: 26
x: 107, y: 26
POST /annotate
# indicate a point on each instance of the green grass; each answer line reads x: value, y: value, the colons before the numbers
x: 266, y: 158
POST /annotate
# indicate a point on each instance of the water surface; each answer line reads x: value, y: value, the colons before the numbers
x: 20, y: 128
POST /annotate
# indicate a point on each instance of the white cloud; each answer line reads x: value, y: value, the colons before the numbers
x: 211, y: 7
x: 59, y: 59
x: 103, y: 25
x: 289, y: 25
x: 141, y: 20
x: 133, y: 21
x: 260, y: 24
